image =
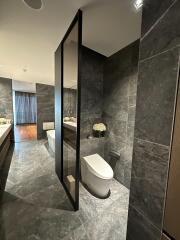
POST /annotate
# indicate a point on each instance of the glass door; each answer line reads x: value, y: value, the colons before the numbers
x: 67, y: 60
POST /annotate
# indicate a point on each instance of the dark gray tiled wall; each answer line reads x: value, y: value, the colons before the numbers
x: 119, y: 104
x: 152, y: 10
x: 156, y: 94
x: 164, y: 35
x: 45, y: 107
x: 158, y: 74
x: 149, y: 175
x: 108, y: 94
x: 91, y: 90
x: 140, y: 228
x: 92, y: 146
x: 91, y: 100
x: 6, y: 100
x: 70, y: 102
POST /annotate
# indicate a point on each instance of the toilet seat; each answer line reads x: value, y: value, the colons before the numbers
x: 98, y: 166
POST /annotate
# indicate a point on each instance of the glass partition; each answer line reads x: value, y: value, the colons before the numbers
x: 68, y: 146
x: 70, y: 82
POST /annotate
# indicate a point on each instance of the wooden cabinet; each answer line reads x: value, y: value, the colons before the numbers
x: 69, y: 137
x: 4, y: 149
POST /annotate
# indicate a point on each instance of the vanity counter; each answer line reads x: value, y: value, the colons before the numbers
x: 70, y: 125
x: 4, y: 131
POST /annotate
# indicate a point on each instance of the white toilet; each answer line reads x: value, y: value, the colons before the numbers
x: 96, y: 174
x: 51, y: 139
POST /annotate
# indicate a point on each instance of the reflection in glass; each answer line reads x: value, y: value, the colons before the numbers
x: 70, y: 78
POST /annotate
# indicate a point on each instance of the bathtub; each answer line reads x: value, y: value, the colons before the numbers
x: 51, y: 139
x: 70, y: 125
x: 51, y: 133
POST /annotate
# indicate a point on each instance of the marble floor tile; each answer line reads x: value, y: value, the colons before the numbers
x: 35, y: 206
x: 111, y: 224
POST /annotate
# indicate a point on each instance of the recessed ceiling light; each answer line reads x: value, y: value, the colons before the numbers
x: 138, y: 4
x: 34, y: 4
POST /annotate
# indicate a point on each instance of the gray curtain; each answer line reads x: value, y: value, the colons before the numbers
x: 25, y: 106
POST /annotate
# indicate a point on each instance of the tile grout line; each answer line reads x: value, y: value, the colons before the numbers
x: 158, y: 54
x: 143, y: 140
x: 144, y: 216
x: 158, y: 20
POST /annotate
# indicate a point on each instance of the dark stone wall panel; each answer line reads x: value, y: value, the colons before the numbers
x: 45, y: 107
x: 92, y: 146
x: 156, y: 96
x: 156, y: 93
x: 119, y: 104
x: 108, y: 94
x: 70, y: 99
x: 91, y: 89
x: 152, y: 10
x: 164, y: 36
x: 149, y: 176
x: 6, y: 100
x: 139, y: 228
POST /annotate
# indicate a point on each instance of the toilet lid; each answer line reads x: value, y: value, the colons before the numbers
x: 99, y: 166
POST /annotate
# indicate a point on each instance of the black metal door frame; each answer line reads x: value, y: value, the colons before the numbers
x: 59, y: 161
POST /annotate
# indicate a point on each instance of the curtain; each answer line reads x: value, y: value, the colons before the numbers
x: 25, y: 107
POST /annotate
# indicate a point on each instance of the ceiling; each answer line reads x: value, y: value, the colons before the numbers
x: 29, y: 38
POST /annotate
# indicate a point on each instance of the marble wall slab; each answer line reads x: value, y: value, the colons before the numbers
x: 140, y: 228
x: 164, y: 35
x: 91, y: 101
x: 152, y: 10
x: 70, y: 101
x: 6, y: 99
x: 92, y: 146
x: 45, y: 107
x: 119, y: 103
x: 149, y: 176
x: 108, y: 94
x: 156, y: 95
x: 91, y: 89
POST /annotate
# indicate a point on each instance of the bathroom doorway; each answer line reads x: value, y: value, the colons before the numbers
x: 24, y: 111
